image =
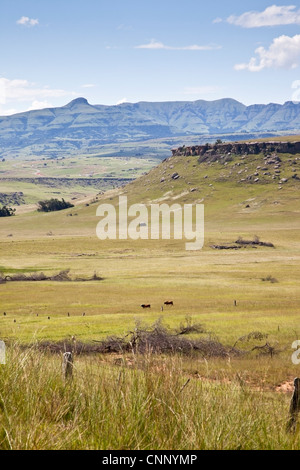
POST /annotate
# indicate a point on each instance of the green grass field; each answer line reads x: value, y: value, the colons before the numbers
x: 145, y: 403
x: 77, y: 177
x: 250, y: 411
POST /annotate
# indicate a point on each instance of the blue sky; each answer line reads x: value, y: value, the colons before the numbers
x: 139, y: 50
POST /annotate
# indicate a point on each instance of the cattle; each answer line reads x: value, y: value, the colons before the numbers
x: 146, y: 306
x: 169, y: 302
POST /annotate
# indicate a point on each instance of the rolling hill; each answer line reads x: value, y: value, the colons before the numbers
x: 80, y: 127
x: 255, y: 190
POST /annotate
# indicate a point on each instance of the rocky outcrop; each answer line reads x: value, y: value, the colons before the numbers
x: 236, y: 148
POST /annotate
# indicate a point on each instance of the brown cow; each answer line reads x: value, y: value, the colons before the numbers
x: 169, y: 302
x: 146, y: 306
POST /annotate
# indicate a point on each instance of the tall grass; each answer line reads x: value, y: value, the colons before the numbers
x: 142, y: 403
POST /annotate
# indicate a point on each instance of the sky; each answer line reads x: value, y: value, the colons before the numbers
x: 115, y: 51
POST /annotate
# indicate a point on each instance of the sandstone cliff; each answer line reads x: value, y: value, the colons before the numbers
x: 236, y: 148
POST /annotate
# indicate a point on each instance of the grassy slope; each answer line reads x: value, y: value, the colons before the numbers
x: 203, y: 283
x: 233, y: 413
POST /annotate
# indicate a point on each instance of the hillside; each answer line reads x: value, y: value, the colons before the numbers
x: 81, y: 127
x: 257, y: 190
x: 254, y: 192
x: 244, y: 196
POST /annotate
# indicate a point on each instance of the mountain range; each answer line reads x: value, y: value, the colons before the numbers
x: 80, y: 127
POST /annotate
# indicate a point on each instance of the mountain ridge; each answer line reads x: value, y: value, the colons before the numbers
x: 79, y: 126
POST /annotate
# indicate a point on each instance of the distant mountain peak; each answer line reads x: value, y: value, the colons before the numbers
x: 78, y: 101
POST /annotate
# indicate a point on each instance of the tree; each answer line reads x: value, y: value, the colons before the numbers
x: 7, y: 211
x: 53, y: 205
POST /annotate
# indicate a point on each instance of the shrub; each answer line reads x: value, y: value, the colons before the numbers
x: 53, y: 205
x: 7, y: 211
x: 270, y: 278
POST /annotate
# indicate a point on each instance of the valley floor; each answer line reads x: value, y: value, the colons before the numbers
x: 236, y: 403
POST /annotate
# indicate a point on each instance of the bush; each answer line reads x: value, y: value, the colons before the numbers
x: 7, y: 211
x: 53, y: 205
x: 271, y: 279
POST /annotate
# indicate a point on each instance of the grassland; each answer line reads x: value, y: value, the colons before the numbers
x: 76, y: 177
x: 237, y: 403
x: 144, y: 403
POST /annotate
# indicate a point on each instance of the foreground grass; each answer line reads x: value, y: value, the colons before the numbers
x: 141, y: 404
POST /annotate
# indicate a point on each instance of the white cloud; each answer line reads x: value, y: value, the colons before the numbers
x: 271, y: 16
x: 217, y: 20
x: 88, y: 85
x: 202, y: 90
x: 26, y: 21
x: 284, y: 52
x: 23, y: 90
x: 153, y: 44
x: 16, y: 93
x: 39, y: 105
x: 124, y: 27
x: 8, y: 112
x: 2, y: 92
x: 296, y: 93
x: 122, y: 101
x: 296, y: 84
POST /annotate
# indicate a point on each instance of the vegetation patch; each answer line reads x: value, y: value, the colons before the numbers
x: 7, y: 211
x: 53, y: 205
x: 154, y: 339
x: 226, y: 247
x: 62, y: 276
x: 271, y: 279
x: 255, y: 242
x: 256, y: 336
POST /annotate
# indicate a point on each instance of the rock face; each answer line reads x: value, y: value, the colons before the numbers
x: 251, y: 148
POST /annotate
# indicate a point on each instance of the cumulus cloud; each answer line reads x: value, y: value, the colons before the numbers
x: 122, y: 101
x: 156, y: 45
x: 16, y: 92
x: 8, y: 112
x: 2, y: 92
x: 271, y: 16
x: 283, y: 53
x: 296, y: 93
x: 39, y: 105
x: 23, y: 90
x: 26, y: 21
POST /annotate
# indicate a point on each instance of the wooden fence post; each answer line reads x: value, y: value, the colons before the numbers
x: 294, y: 406
x: 67, y: 366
